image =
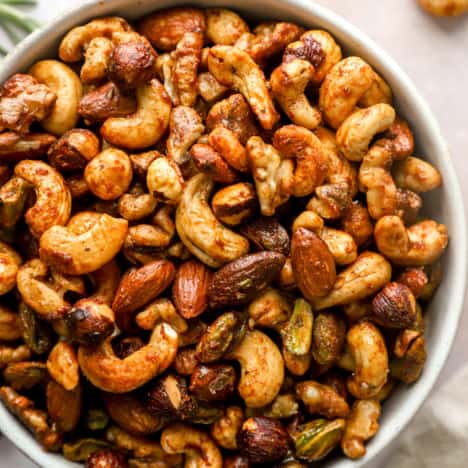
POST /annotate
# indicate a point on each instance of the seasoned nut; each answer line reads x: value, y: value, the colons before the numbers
x: 357, y: 223
x: 64, y: 406
x: 263, y: 440
x: 220, y: 337
x: 297, y: 332
x: 394, y: 306
x: 106, y: 459
x: 35, y: 420
x: 96, y: 419
x: 362, y: 424
x: 270, y: 309
x: 89, y: 322
x: 213, y: 382
x: 408, y: 369
x: 193, y: 335
x: 225, y: 430
x: 328, y: 338
x: 215, y: 246
x: 186, y: 58
x: 139, y: 287
x: 235, y: 114
x: 234, y: 68
x: 22, y: 101
x: 14, y: 195
x: 415, y: 279
x: 105, y: 102
x: 235, y: 204
x: 267, y: 233
x: 226, y: 142
x: 239, y: 281
x: 130, y: 413
x: 127, y: 346
x: 322, y: 399
x: 169, y: 397
x: 211, y: 163
x: 141, y: 162
x: 186, y: 361
x: 313, y: 264
x: 10, y: 325
x: 136, y: 204
x: 224, y: 26
x: 165, y: 181
x: 262, y: 369
x: 190, y: 289
x: 316, y: 439
x: 36, y: 334
x: 63, y: 367
x: 209, y: 88
x: 131, y: 63
x: 14, y: 147
x: 161, y: 310
x: 286, y: 279
x: 109, y: 174
x: 166, y: 27
x: 236, y: 461
x: 82, y: 449
x: 185, y: 128
x: 25, y: 375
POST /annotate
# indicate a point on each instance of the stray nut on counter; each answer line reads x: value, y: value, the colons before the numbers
x: 211, y: 252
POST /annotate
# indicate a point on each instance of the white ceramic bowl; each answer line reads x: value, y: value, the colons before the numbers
x: 445, y: 204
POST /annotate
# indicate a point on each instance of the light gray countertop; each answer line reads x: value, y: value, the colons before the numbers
x: 433, y: 51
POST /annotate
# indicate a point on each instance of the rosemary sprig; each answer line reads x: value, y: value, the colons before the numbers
x: 17, y: 17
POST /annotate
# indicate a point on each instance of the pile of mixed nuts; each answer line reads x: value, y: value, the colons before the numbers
x: 227, y: 266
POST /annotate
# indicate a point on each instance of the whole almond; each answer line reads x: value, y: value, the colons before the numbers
x: 313, y: 264
x: 140, y: 286
x: 240, y: 281
x: 190, y: 289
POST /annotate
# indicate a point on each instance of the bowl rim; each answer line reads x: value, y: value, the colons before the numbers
x: 12, y: 428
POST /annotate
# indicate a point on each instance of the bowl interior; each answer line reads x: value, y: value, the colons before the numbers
x: 444, y: 204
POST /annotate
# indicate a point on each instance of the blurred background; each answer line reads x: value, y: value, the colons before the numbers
x: 434, y: 52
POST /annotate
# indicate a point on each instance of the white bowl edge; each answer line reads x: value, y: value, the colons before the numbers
x: 448, y: 204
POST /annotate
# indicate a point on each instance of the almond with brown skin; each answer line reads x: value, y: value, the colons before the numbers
x: 190, y: 289
x: 140, y: 286
x: 240, y: 281
x: 313, y: 264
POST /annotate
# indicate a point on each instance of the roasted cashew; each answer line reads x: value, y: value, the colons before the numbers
x: 161, y: 310
x: 288, y: 84
x: 199, y: 449
x: 39, y: 295
x: 361, y: 279
x: 165, y: 181
x: 341, y: 244
x: 109, y: 174
x: 343, y: 87
x: 77, y: 253
x: 305, y: 148
x: 234, y: 68
x: 63, y: 366
x: 185, y: 128
x: 9, y: 263
x: 64, y: 82
x: 201, y: 232
x: 9, y: 355
x: 319, y: 48
x: 262, y: 369
x: 97, y: 59
x: 15, y: 147
x: 224, y: 26
x: 445, y: 7
x: 362, y: 424
x: 357, y: 131
x: 106, y: 371
x: 136, y: 204
x: 416, y: 175
x: 106, y: 280
x: 224, y: 431
x: 209, y: 88
x: 333, y: 199
x: 147, y: 125
x: 10, y: 324
x: 367, y: 347
x: 420, y: 244
x: 272, y: 173
x: 227, y: 144
x: 77, y: 40
x: 53, y: 199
